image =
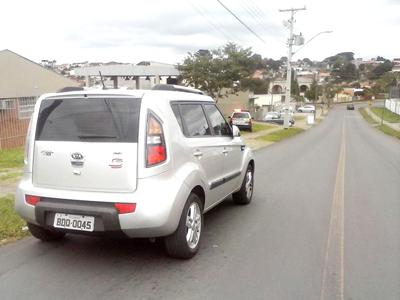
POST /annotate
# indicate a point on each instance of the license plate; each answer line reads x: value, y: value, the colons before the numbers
x: 75, y: 222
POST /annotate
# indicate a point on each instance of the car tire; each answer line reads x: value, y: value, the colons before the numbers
x: 43, y: 234
x: 245, y: 194
x: 185, y: 241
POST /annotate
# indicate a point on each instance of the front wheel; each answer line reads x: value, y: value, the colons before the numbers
x: 184, y: 242
x: 245, y: 194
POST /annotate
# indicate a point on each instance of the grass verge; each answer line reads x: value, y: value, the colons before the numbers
x: 388, y: 116
x: 11, y: 176
x: 299, y: 118
x: 280, y: 134
x: 384, y: 128
x: 366, y: 116
x: 257, y: 127
x: 11, y: 225
x: 389, y: 131
x: 11, y: 158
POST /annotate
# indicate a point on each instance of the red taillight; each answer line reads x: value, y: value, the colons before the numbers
x: 125, y: 208
x: 32, y: 200
x: 156, y: 151
x: 155, y: 154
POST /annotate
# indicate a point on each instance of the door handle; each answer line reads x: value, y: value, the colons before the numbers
x: 198, y: 154
x: 225, y: 151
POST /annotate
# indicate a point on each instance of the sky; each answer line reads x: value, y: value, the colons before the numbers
x: 165, y: 31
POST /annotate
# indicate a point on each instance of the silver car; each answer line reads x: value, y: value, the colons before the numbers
x: 306, y: 108
x: 131, y: 163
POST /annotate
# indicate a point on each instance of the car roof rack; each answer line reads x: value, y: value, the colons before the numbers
x: 176, y: 88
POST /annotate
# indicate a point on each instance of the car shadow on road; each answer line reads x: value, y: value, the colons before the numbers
x: 92, y: 250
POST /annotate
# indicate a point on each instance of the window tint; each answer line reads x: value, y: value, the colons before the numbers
x: 175, y: 109
x: 218, y: 122
x: 195, y: 120
x: 241, y: 115
x: 89, y: 120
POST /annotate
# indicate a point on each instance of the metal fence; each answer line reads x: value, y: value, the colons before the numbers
x: 394, y: 92
x: 14, y: 120
x: 393, y: 103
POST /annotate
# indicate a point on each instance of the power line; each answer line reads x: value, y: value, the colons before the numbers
x: 241, y: 22
x: 253, y: 16
x: 213, y: 25
x: 255, y: 11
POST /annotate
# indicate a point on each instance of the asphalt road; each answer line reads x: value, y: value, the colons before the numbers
x: 324, y: 224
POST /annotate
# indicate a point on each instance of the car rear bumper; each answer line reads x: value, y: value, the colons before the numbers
x: 248, y: 127
x: 157, y: 210
x: 105, y: 214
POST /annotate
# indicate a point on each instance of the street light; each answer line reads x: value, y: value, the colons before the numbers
x: 289, y: 68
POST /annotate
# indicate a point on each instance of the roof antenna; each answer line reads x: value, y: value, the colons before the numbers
x: 102, y: 81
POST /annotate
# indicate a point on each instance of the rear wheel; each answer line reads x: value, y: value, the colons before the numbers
x: 43, y: 234
x: 245, y: 194
x: 184, y: 242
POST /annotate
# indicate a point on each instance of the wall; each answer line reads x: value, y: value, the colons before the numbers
x: 393, y: 105
x: 234, y: 101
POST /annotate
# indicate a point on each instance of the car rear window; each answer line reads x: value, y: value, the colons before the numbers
x: 89, y: 120
x: 241, y: 115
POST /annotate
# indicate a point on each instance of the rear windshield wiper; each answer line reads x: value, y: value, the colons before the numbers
x: 97, y: 136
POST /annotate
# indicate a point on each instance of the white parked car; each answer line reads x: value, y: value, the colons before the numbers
x: 306, y: 108
x: 278, y: 118
x: 133, y: 163
x: 242, y: 119
x: 272, y: 115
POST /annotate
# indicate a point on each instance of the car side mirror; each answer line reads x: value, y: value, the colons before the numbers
x: 235, y: 131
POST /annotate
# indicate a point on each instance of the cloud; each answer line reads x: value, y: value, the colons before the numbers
x: 128, y: 30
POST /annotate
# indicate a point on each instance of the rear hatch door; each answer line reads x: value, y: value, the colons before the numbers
x: 87, y: 144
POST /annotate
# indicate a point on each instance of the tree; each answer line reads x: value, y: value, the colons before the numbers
x: 342, y: 57
x: 259, y: 63
x: 219, y: 69
x: 307, y: 61
x: 257, y: 86
x: 311, y: 93
x: 381, y: 69
x: 380, y: 58
x: 345, y: 71
x: 274, y: 65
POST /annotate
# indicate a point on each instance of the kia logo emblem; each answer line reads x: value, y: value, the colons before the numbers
x: 77, y: 156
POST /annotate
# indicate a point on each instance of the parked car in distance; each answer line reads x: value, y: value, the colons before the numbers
x: 306, y: 108
x: 278, y: 118
x: 242, y: 119
x: 272, y: 115
x: 131, y: 163
x: 350, y: 106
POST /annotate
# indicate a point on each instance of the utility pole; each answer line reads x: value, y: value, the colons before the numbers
x: 289, y: 58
